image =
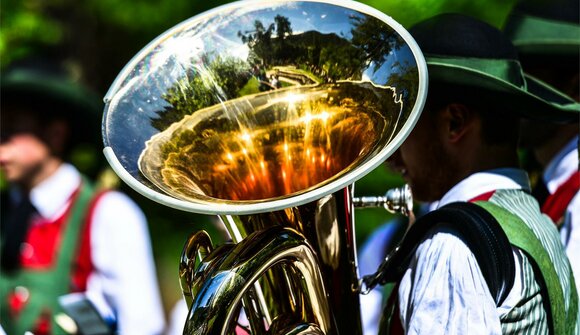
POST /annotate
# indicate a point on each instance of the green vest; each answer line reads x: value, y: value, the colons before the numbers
x: 542, y: 257
x: 46, y: 285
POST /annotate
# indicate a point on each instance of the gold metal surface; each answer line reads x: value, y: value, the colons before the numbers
x: 214, y: 309
x: 265, y: 113
x: 271, y: 144
x: 258, y: 106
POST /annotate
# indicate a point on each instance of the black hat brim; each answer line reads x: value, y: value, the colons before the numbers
x: 64, y: 99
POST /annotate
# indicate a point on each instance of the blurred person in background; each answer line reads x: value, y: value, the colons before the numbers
x: 70, y: 252
x: 547, y: 35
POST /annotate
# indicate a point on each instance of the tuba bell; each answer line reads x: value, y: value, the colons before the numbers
x: 265, y: 113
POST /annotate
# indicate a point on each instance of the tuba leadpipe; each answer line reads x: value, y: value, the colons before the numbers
x: 396, y: 200
x: 265, y: 114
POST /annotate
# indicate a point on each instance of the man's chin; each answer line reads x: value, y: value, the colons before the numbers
x: 423, y: 194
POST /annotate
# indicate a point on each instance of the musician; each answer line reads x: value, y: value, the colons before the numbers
x: 463, y: 149
x: 547, y: 36
x: 59, y: 234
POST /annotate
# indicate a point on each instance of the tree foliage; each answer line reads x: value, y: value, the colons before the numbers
x: 222, y: 80
x: 375, y: 38
x: 96, y: 38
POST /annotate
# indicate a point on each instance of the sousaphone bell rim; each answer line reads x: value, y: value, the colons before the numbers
x: 224, y: 207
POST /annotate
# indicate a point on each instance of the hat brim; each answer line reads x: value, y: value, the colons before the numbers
x: 539, y: 36
x: 528, y: 104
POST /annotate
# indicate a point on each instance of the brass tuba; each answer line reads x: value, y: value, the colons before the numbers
x: 265, y: 113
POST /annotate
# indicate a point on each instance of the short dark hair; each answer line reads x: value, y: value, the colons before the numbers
x: 500, y: 127
x: 33, y: 116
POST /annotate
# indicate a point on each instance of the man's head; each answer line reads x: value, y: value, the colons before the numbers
x: 44, y: 116
x: 476, y: 96
x: 29, y: 148
x: 459, y: 133
x: 547, y: 36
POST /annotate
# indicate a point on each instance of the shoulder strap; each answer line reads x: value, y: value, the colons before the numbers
x: 521, y: 236
x: 75, y: 223
x: 480, y: 232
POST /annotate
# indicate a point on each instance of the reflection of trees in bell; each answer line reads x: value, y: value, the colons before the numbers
x: 259, y: 41
x: 329, y: 56
x: 375, y: 39
x: 325, y: 55
x: 306, y: 58
x: 205, y: 85
x: 283, y: 27
x: 405, y: 76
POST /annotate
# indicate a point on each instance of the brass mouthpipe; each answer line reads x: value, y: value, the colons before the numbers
x: 396, y: 200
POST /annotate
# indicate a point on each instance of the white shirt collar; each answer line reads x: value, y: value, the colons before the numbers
x: 562, y: 166
x: 52, y: 194
x: 487, y: 181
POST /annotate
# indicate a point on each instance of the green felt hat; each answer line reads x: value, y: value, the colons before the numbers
x: 546, y: 28
x: 463, y: 51
x: 44, y: 89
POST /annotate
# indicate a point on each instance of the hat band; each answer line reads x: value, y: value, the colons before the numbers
x: 508, y: 70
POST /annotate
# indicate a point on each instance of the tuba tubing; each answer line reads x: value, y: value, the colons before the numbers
x: 229, y: 275
x: 241, y: 268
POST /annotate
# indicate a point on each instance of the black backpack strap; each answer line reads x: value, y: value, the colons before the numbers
x: 477, y: 228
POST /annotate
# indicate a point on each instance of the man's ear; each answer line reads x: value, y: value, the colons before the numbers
x: 458, y: 119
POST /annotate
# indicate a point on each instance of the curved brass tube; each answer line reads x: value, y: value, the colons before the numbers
x: 303, y: 329
x: 241, y: 267
x: 198, y: 245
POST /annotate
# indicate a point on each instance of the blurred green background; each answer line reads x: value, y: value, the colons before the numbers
x: 97, y: 38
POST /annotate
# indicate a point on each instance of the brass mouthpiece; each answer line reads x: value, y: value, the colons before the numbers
x: 396, y: 200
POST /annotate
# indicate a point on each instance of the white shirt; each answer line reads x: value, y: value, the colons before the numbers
x: 371, y: 255
x: 560, y: 168
x: 123, y: 285
x: 443, y: 291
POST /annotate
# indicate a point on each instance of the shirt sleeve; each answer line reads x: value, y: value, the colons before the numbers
x: 125, y: 275
x: 444, y: 292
